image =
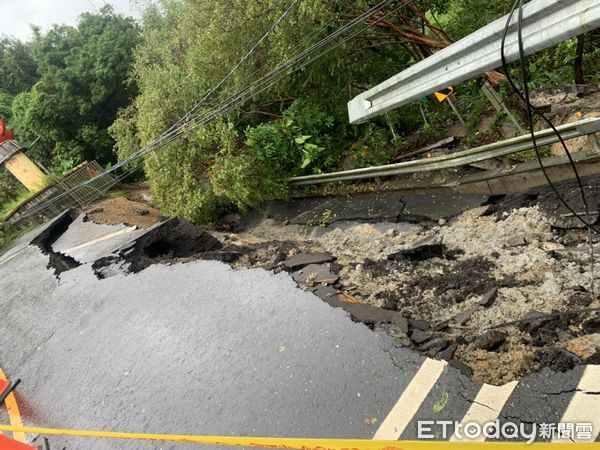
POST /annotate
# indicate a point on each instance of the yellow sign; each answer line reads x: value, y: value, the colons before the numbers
x: 444, y: 93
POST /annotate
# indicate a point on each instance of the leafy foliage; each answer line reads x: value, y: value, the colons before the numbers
x: 299, y: 126
x: 69, y: 84
x: 18, y: 71
x: 82, y: 73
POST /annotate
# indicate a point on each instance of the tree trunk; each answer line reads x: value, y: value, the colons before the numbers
x: 578, y: 63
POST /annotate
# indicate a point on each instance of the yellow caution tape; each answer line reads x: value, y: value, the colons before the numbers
x: 296, y: 443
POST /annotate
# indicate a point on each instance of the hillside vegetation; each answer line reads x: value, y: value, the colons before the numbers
x: 109, y: 86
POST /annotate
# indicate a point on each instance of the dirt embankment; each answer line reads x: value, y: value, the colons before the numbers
x: 132, y: 207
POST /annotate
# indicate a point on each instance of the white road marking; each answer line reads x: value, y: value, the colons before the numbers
x: 585, y: 405
x: 411, y: 399
x: 486, y: 407
x: 11, y: 257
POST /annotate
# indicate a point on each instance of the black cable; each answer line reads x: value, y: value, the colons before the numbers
x: 531, y: 109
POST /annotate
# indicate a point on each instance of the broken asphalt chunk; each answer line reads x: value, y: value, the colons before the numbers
x: 488, y: 298
x: 448, y: 352
x: 174, y: 238
x: 228, y: 254
x: 304, y: 259
x: 400, y: 322
x: 533, y: 321
x: 461, y: 319
x: 422, y: 325
x: 435, y: 345
x: 368, y: 314
x: 419, y: 336
x: 556, y: 359
x: 462, y: 367
x: 440, y: 326
x: 543, y: 337
x: 420, y: 251
x: 591, y: 325
x: 315, y: 274
x: 490, y: 341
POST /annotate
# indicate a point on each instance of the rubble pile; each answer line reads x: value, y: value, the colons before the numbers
x: 499, y: 292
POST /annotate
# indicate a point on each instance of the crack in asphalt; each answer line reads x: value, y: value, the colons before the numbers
x: 572, y: 391
x: 27, y: 357
x: 569, y: 391
x: 484, y: 405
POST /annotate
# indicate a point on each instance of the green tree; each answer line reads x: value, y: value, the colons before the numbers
x: 83, y: 83
x: 189, y: 45
x: 18, y: 71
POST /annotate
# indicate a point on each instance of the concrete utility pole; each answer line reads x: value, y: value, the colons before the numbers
x: 546, y: 23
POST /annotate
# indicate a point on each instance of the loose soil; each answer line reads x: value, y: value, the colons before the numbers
x: 133, y: 207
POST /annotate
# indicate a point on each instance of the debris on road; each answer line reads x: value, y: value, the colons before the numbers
x: 304, y: 259
x: 499, y: 290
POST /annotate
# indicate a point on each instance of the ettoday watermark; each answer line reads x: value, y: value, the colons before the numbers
x: 444, y: 429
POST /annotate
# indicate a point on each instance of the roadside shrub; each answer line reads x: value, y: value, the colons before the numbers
x: 179, y: 174
x: 272, y: 153
x: 374, y: 148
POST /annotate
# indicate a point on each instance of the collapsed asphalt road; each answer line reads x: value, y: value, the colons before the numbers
x: 200, y: 348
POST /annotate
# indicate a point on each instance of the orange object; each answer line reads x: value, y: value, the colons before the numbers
x: 444, y: 93
x: 5, y: 133
x: 7, y: 443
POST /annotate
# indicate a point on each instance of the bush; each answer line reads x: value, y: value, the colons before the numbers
x: 298, y: 143
x: 373, y: 148
x: 179, y: 173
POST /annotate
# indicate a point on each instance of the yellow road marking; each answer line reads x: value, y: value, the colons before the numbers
x: 584, y: 407
x: 409, y: 402
x: 100, y: 239
x: 14, y: 416
x: 486, y: 407
x: 299, y: 443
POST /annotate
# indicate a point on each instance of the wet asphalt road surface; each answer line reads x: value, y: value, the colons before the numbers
x: 200, y: 348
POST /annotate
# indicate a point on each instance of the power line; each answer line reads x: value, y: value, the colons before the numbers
x: 530, y: 109
x: 294, y: 64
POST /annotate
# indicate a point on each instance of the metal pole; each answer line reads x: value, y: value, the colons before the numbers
x: 453, y: 106
x: 497, y: 102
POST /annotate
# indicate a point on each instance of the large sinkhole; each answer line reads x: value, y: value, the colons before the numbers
x: 500, y: 292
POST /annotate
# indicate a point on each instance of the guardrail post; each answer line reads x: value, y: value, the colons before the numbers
x: 594, y: 142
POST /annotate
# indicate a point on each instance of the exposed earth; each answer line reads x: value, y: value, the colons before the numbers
x: 500, y: 291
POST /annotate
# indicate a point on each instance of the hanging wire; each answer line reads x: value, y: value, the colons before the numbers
x: 530, y: 110
x: 253, y: 89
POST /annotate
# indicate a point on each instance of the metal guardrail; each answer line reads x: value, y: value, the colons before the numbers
x: 586, y: 127
x: 545, y: 23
